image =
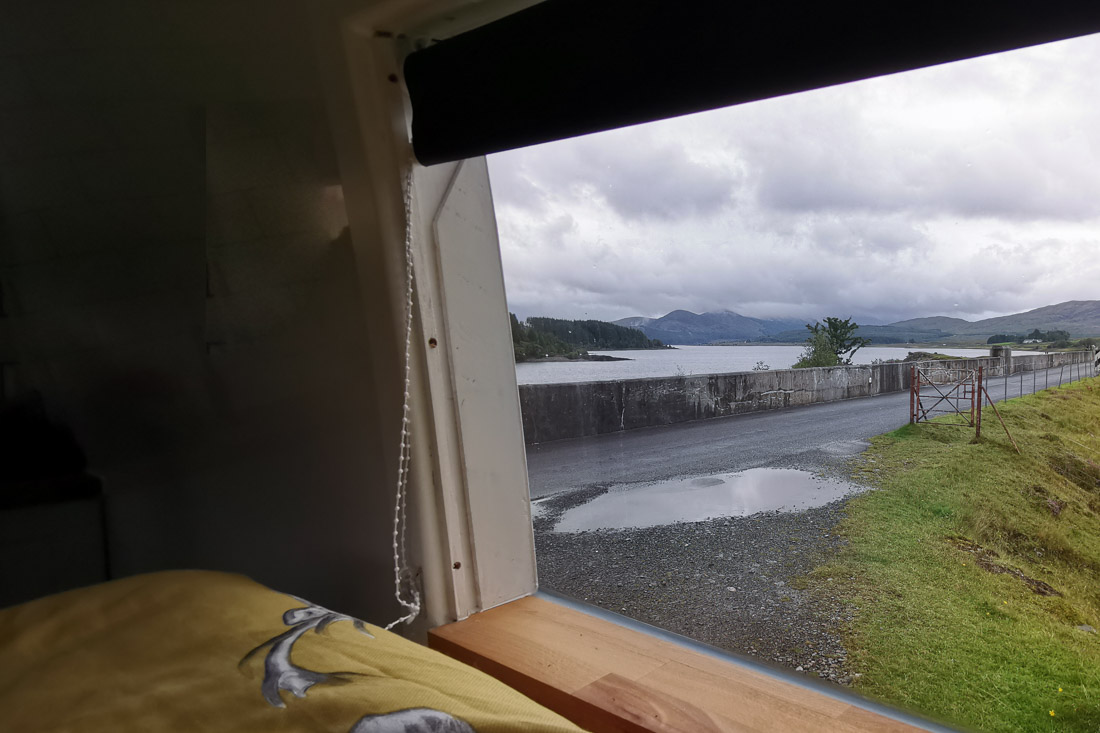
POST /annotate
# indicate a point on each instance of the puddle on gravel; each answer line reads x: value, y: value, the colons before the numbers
x: 704, y: 497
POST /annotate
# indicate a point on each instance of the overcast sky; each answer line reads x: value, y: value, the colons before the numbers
x: 969, y: 190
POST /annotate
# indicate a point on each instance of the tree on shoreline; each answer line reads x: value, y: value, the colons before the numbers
x: 594, y: 334
x: 818, y: 353
x: 829, y: 342
x: 531, y: 343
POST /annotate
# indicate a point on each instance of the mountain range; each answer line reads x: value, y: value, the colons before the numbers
x: 1079, y: 317
x: 685, y: 327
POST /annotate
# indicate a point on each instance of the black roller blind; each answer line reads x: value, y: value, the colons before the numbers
x: 570, y: 67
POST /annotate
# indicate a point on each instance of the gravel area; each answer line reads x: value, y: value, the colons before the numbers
x: 731, y: 582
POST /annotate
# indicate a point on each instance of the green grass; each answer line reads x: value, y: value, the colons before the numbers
x: 933, y: 630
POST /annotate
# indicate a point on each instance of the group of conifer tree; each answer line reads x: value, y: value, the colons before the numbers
x: 541, y: 337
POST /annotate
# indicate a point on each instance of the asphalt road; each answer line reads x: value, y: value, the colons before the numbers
x: 802, y: 437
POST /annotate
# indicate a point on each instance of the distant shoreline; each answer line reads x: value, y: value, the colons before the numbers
x: 639, y: 348
x: 923, y: 346
x: 589, y: 357
x: 914, y: 347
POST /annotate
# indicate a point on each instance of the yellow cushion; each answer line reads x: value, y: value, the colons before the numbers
x: 204, y: 651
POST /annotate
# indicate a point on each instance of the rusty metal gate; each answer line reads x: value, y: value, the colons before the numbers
x: 936, y: 391
x: 960, y: 392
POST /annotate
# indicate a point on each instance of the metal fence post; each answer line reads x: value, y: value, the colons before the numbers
x: 910, y: 395
x: 978, y: 414
x: 914, y: 390
x: 971, y: 375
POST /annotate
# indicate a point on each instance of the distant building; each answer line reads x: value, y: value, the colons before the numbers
x: 1033, y: 341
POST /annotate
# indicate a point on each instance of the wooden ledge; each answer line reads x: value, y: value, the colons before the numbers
x: 608, y: 677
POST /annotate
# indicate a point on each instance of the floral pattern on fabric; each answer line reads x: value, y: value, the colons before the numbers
x: 281, y: 674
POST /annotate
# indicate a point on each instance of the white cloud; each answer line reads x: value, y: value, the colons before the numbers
x: 967, y: 189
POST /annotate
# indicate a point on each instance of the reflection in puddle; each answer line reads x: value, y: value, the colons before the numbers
x: 704, y: 497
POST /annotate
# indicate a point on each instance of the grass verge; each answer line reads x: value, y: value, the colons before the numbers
x: 971, y: 568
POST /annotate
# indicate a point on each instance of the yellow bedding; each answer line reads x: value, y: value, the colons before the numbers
x: 203, y: 651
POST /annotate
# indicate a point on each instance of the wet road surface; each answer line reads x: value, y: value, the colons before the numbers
x: 807, y: 438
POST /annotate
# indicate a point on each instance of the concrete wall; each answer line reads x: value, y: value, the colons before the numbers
x: 573, y: 410
x: 179, y: 286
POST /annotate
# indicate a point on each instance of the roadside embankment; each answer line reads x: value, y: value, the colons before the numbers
x: 972, y: 573
x: 574, y: 410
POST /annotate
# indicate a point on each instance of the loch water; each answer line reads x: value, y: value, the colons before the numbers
x: 691, y: 360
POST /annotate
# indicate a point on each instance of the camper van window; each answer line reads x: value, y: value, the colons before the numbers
x: 716, y: 322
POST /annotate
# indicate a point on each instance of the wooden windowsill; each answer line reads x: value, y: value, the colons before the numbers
x: 606, y: 676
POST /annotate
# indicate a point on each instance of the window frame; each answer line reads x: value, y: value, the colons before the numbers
x: 469, y: 498
x: 472, y: 522
x: 470, y: 527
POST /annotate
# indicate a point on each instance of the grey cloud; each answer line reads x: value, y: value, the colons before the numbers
x: 1025, y: 180
x: 512, y: 186
x: 658, y: 182
x: 848, y: 201
x: 1004, y: 181
x: 883, y: 236
x: 1005, y: 160
x: 639, y: 179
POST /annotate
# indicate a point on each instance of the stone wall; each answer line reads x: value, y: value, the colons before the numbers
x: 579, y: 409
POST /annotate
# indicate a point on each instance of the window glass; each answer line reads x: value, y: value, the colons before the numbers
x: 663, y: 280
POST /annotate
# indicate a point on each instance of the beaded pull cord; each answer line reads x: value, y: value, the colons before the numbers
x: 404, y: 583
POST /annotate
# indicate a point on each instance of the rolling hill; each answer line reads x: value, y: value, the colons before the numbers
x: 1080, y: 317
x: 685, y: 327
x: 945, y: 324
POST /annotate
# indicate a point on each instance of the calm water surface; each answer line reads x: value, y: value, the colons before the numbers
x: 689, y: 360
x: 704, y: 497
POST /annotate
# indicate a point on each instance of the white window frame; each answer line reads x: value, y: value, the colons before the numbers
x: 470, y: 513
